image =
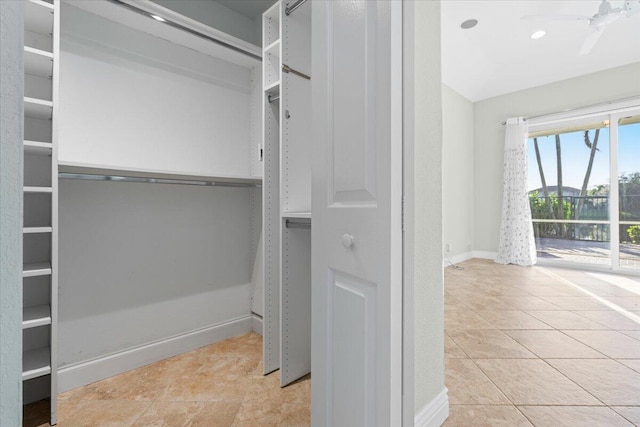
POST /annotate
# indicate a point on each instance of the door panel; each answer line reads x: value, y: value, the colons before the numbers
x: 353, y: 104
x: 352, y: 304
x: 356, y: 209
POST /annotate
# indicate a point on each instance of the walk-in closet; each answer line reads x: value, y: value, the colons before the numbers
x: 167, y: 187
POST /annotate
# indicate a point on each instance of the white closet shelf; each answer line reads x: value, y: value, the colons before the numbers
x: 36, y: 230
x: 37, y: 315
x: 38, y: 189
x: 296, y: 215
x: 35, y: 147
x: 37, y: 108
x: 273, y: 88
x: 91, y: 169
x: 36, y: 363
x: 36, y: 269
x: 38, y: 62
x: 38, y: 16
x: 273, y: 48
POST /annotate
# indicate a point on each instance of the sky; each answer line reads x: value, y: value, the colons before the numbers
x: 575, y: 157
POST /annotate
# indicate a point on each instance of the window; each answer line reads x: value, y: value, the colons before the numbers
x: 584, y: 189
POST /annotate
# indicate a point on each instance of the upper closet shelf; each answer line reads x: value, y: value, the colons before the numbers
x: 178, y: 28
x: 38, y: 62
x: 113, y: 171
x: 38, y: 17
x: 37, y: 108
x: 296, y: 215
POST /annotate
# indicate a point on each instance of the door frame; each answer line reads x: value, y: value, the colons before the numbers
x: 408, y: 214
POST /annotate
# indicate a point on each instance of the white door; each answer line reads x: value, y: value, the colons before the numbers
x: 357, y: 197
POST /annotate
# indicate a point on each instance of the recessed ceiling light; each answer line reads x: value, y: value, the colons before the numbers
x: 538, y: 34
x: 469, y: 23
x: 158, y: 18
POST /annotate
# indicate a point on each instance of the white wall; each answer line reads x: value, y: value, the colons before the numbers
x: 609, y: 85
x: 132, y: 100
x: 141, y: 262
x: 11, y: 118
x: 427, y: 197
x: 457, y: 172
x: 217, y: 16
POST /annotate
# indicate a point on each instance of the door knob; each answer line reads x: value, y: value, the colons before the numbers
x: 347, y: 240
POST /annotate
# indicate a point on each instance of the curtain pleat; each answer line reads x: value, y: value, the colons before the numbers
x: 517, y: 243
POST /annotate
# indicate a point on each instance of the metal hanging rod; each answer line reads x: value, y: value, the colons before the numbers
x: 297, y: 224
x: 114, y: 178
x: 290, y: 9
x: 273, y: 98
x: 288, y: 69
x: 186, y: 29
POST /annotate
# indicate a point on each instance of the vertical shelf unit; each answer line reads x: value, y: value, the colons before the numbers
x: 271, y: 74
x: 41, y: 52
x: 287, y: 190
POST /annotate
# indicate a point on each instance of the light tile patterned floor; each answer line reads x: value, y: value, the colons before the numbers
x: 220, y: 385
x: 523, y: 347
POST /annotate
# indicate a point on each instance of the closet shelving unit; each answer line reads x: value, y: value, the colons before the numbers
x: 287, y: 190
x: 39, y: 323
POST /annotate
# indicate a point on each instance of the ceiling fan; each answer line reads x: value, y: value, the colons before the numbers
x: 605, y: 16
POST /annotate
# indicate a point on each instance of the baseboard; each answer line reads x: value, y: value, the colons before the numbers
x: 435, y: 412
x: 485, y: 255
x: 456, y: 259
x: 256, y: 323
x: 90, y: 371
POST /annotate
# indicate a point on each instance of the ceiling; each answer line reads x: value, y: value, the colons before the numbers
x: 498, y: 56
x: 248, y: 8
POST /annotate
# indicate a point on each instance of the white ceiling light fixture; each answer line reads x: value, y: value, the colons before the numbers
x: 468, y: 24
x: 158, y: 18
x: 538, y: 34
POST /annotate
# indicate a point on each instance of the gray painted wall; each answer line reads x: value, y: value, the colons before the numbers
x: 609, y: 85
x: 141, y: 262
x: 428, y: 275
x: 11, y: 154
x: 457, y: 172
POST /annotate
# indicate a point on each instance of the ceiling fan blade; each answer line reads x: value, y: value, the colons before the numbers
x: 590, y: 41
x: 557, y: 17
x: 632, y: 8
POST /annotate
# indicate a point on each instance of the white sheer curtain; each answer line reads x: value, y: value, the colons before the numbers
x: 517, y: 244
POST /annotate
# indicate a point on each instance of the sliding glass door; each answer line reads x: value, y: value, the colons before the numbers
x: 584, y: 190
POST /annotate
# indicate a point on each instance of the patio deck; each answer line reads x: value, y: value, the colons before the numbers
x: 589, y: 252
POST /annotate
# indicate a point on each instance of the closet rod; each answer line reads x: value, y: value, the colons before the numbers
x: 186, y: 29
x: 290, y: 9
x: 272, y: 98
x: 114, y: 178
x: 297, y: 224
x: 288, y: 69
